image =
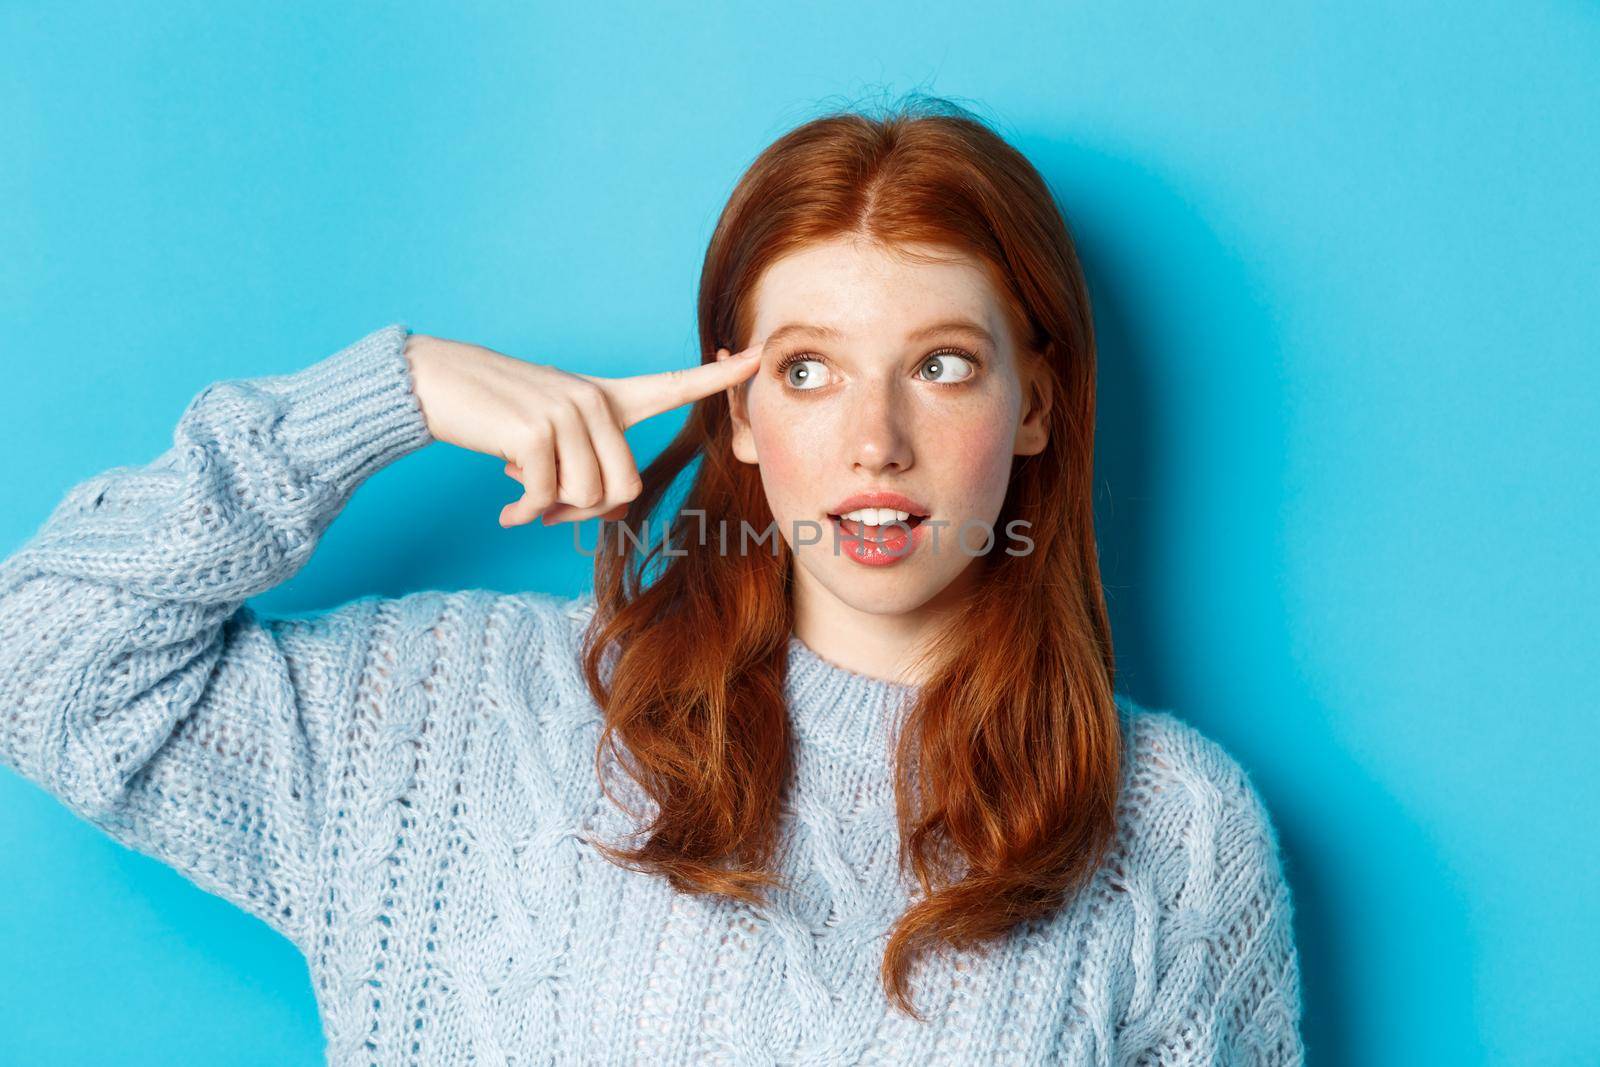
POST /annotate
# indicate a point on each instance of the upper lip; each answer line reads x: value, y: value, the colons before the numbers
x: 880, y: 498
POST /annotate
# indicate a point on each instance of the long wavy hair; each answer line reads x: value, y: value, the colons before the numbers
x: 1007, y: 768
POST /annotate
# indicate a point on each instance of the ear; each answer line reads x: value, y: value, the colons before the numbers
x: 744, y: 442
x: 1038, y: 389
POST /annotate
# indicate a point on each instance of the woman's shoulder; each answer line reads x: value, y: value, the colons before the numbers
x: 571, y: 611
x: 529, y: 642
x: 1185, y: 795
x: 1163, y: 746
x: 1198, y: 863
x: 462, y: 614
x: 556, y: 623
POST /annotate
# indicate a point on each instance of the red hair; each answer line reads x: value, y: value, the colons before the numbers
x: 1007, y: 770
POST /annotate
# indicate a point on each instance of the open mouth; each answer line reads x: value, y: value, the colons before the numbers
x: 885, y: 531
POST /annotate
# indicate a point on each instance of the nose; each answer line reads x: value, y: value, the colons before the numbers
x: 877, y: 433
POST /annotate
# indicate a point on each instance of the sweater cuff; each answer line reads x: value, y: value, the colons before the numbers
x: 354, y: 412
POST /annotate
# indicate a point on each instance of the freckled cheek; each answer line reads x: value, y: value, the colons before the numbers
x: 787, y: 450
x: 976, y: 467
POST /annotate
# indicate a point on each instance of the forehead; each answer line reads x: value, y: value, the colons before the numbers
x: 855, y: 288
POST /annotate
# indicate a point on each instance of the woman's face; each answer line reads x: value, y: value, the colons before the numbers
x: 878, y: 373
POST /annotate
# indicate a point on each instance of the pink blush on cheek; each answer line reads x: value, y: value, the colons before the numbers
x: 789, y: 467
x: 982, y: 458
x: 783, y: 456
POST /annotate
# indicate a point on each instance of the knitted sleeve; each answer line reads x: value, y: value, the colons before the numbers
x: 136, y: 686
x: 1227, y: 973
x: 1256, y: 1009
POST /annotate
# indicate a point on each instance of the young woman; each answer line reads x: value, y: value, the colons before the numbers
x: 828, y: 768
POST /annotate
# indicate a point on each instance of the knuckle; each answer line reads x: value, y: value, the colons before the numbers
x: 539, y: 483
x: 591, y: 397
x: 537, y: 431
x: 569, y: 413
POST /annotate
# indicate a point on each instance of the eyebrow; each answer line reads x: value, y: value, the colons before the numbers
x: 828, y: 333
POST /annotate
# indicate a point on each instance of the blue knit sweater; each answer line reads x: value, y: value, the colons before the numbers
x: 405, y: 789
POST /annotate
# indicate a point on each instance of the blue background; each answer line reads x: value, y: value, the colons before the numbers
x: 1344, y: 259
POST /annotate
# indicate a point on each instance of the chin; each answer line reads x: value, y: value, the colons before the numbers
x: 876, y: 591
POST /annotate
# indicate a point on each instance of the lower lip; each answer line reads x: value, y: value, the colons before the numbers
x: 896, y: 546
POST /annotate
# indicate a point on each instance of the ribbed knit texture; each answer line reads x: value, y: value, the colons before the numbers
x: 405, y: 788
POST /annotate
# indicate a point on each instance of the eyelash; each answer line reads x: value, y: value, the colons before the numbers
x: 948, y: 350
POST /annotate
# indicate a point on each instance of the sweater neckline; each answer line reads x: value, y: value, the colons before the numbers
x: 853, y: 715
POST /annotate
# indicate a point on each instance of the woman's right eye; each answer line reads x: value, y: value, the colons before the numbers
x: 803, y: 374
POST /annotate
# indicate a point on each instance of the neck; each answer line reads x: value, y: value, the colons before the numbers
x: 880, y: 646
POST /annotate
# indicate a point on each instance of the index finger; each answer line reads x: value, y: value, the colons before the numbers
x: 643, y: 395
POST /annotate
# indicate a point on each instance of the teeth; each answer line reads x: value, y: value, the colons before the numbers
x: 876, y: 516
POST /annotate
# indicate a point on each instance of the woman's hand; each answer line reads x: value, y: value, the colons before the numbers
x: 559, y: 432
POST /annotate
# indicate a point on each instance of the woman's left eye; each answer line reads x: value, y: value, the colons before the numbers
x: 963, y: 364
